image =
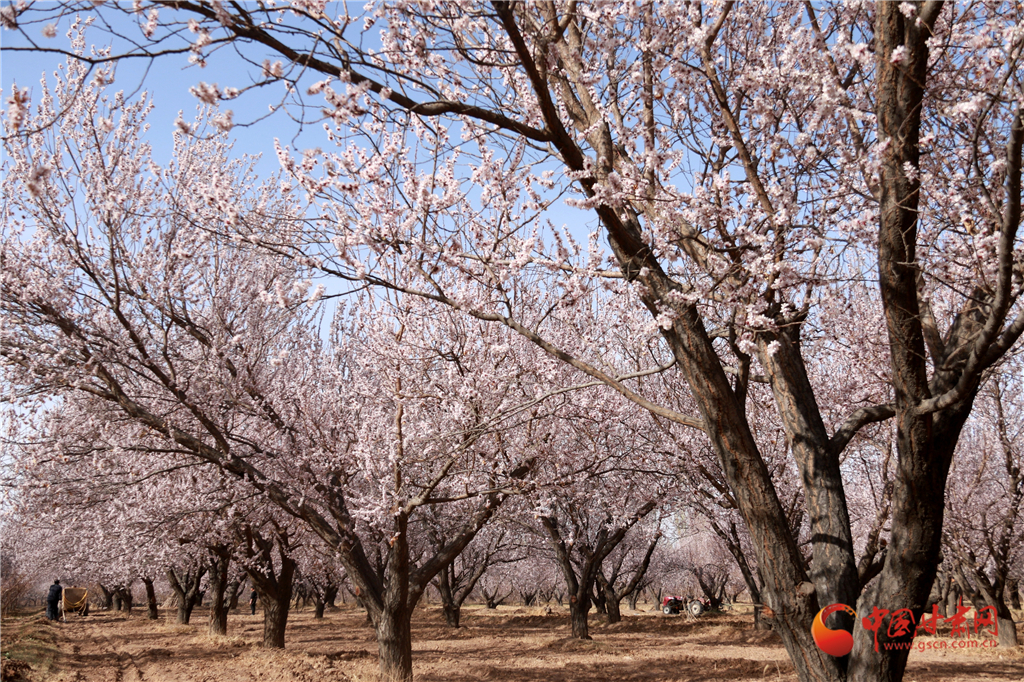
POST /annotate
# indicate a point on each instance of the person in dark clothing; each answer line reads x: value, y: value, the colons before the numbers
x: 53, y: 599
x: 252, y: 601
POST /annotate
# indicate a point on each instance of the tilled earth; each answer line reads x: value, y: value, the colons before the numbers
x: 518, y: 644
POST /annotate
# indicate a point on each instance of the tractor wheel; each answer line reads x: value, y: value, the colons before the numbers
x: 696, y: 608
x: 667, y: 610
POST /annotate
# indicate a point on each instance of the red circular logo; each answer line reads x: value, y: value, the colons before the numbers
x: 832, y: 642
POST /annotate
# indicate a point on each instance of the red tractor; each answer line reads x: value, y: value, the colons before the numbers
x: 674, y: 605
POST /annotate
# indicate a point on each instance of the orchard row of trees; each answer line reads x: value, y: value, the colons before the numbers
x: 805, y: 331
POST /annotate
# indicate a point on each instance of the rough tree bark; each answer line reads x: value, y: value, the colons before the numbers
x: 929, y: 411
x: 220, y: 560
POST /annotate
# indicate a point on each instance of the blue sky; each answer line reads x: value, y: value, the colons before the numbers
x: 166, y: 81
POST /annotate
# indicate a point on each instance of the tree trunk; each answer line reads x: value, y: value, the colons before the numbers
x: 234, y: 590
x: 1007, y: 629
x: 611, y: 604
x: 1013, y: 591
x: 989, y: 595
x: 599, y: 601
x: 275, y: 619
x: 394, y: 643
x: 116, y: 598
x: 331, y: 595
x: 449, y: 606
x: 579, y: 609
x: 186, y: 594
x: 925, y: 440
x: 318, y: 607
x: 944, y: 588
x: 220, y: 559
x: 760, y: 622
x: 953, y: 597
x: 152, y: 611
x: 275, y: 593
x: 124, y: 599
x: 108, y: 597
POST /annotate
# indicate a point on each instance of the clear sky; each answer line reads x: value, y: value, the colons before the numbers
x: 166, y: 81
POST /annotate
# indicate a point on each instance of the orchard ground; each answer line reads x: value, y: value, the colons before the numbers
x: 519, y: 644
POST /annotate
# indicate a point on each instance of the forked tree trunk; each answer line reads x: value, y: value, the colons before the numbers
x: 275, y: 593
x: 152, y: 609
x: 274, y: 586
x: 925, y: 441
x: 186, y: 591
x: 220, y: 559
x: 613, y: 595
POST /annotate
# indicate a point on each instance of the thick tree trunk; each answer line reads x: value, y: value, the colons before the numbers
x: 925, y: 441
x: 275, y: 594
x: 394, y: 643
x: 275, y: 619
x: 318, y: 607
x: 611, y: 604
x: 118, y: 603
x: 452, y: 614
x: 152, y: 610
x: 331, y: 595
x: 579, y: 610
x: 1007, y: 630
x: 220, y: 559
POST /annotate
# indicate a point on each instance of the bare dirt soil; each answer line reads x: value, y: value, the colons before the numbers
x: 518, y: 644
